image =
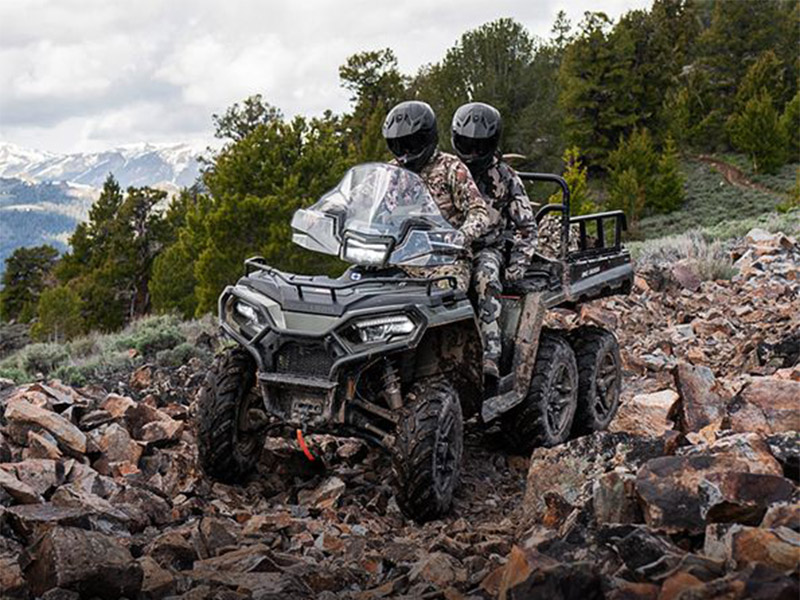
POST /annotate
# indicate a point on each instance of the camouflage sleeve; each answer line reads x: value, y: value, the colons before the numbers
x: 469, y: 200
x: 521, y: 213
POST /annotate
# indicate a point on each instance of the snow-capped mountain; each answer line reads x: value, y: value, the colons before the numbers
x: 44, y: 195
x: 168, y: 165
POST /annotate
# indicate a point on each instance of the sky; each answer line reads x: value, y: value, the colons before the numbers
x: 87, y: 75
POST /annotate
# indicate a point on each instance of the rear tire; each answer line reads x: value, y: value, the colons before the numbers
x: 227, y: 449
x: 545, y: 416
x: 428, y: 450
x: 600, y: 378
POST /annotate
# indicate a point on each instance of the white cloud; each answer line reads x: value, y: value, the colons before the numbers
x: 88, y: 74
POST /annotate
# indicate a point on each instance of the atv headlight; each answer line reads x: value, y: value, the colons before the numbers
x: 246, y: 315
x: 383, y: 329
x: 364, y: 253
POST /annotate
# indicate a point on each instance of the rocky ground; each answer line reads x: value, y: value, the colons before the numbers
x: 692, y: 494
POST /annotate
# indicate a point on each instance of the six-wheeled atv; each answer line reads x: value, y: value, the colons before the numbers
x: 397, y: 360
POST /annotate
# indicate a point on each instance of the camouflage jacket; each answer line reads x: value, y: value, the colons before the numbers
x: 511, y: 213
x: 456, y: 194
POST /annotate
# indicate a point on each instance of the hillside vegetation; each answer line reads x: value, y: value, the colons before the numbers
x: 685, y: 115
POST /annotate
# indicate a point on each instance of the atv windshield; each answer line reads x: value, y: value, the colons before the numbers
x: 379, y: 214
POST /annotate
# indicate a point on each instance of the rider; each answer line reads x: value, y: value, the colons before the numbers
x: 411, y: 134
x: 475, y: 135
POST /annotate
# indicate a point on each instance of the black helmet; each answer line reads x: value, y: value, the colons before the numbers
x: 411, y: 134
x: 475, y: 134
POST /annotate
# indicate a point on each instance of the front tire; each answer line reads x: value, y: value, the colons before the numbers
x: 600, y: 378
x: 228, y: 449
x: 545, y: 416
x: 428, y: 450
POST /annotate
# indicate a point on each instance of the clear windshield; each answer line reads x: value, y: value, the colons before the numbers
x: 378, y: 214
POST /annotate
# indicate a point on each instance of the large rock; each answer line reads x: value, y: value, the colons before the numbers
x: 755, y: 582
x: 12, y: 582
x: 646, y: 414
x: 740, y: 546
x: 24, y: 414
x: 569, y: 469
x: 614, y: 498
x: 41, y: 474
x: 88, y: 562
x: 326, y: 495
x: 783, y: 514
x: 701, y: 399
x: 766, y: 405
x: 529, y: 574
x: 19, y: 491
x: 684, y: 493
x: 650, y: 556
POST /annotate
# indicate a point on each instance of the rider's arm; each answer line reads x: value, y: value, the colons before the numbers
x: 521, y: 213
x: 470, y: 201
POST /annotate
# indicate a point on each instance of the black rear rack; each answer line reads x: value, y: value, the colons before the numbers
x: 257, y: 263
x: 600, y: 246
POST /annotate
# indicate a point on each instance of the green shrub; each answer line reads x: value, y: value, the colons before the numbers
x: 43, y: 358
x: 180, y: 355
x: 709, y: 259
x: 757, y: 131
x: 150, y: 335
x: 70, y: 374
x: 16, y: 374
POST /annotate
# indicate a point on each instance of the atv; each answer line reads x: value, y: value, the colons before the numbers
x: 397, y: 360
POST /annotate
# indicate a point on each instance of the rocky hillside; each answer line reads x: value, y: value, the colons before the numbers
x: 693, y: 494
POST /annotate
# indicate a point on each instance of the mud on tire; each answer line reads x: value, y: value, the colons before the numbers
x: 429, y: 445
x: 545, y: 416
x: 226, y: 450
x: 599, y: 375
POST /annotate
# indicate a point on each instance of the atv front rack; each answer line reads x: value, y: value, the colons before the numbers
x: 333, y: 286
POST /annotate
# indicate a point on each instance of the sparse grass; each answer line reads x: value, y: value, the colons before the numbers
x: 710, y: 201
x: 708, y: 258
x: 96, y: 357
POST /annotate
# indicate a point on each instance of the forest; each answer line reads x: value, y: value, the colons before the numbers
x: 617, y: 107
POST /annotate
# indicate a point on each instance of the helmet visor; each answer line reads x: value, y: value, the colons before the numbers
x: 468, y: 147
x: 409, y: 145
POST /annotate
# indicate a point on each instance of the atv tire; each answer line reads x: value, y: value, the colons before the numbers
x: 545, y: 416
x: 428, y: 448
x: 600, y: 378
x: 227, y: 449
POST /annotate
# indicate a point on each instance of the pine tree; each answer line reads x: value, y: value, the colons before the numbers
x: 59, y: 315
x: 27, y: 273
x: 756, y: 130
x: 668, y: 193
x: 575, y: 175
x: 790, y: 123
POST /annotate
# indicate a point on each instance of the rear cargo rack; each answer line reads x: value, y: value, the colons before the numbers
x: 599, y: 219
x: 258, y: 263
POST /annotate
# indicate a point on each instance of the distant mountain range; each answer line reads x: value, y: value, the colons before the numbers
x: 43, y: 195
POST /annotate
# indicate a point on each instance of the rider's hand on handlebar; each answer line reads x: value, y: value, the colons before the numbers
x: 515, y: 272
x: 456, y: 238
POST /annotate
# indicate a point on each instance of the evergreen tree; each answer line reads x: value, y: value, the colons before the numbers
x: 375, y: 85
x: 59, y: 315
x: 575, y: 175
x: 27, y: 272
x: 756, y: 130
x: 240, y: 120
x: 668, y: 193
x: 790, y: 123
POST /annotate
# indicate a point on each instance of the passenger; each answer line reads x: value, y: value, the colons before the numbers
x: 505, y: 250
x: 411, y: 134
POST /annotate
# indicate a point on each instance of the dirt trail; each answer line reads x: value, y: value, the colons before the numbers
x: 733, y: 175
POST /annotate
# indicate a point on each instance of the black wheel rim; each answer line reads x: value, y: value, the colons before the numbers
x: 606, y: 386
x: 561, y: 399
x: 445, y: 459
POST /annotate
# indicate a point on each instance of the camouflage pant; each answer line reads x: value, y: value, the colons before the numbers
x: 459, y: 270
x: 486, y: 274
